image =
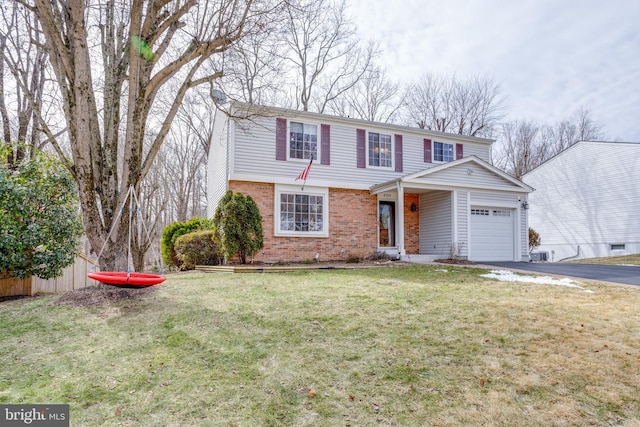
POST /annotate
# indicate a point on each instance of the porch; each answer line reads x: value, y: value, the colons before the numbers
x: 465, y: 209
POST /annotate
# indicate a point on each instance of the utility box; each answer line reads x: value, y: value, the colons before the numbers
x: 539, y: 256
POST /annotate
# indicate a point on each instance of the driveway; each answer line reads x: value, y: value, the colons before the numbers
x: 629, y: 275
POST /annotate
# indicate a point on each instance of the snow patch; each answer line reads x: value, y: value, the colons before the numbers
x: 510, y: 276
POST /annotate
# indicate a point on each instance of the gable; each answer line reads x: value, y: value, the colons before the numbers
x: 469, y: 172
x: 468, y: 175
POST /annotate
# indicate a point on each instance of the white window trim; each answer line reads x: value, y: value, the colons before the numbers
x: 433, y: 152
x: 393, y: 154
x: 318, y: 126
x: 308, y: 191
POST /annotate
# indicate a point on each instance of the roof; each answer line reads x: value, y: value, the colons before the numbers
x: 277, y: 111
x: 612, y: 147
x: 431, y: 176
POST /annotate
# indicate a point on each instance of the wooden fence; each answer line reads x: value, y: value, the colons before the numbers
x: 73, y: 277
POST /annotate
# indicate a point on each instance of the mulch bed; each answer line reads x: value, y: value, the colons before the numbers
x: 104, y: 294
x: 455, y: 261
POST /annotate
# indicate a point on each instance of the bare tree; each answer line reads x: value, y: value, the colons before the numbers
x: 374, y: 97
x: 523, y: 145
x: 520, y: 150
x: 255, y: 71
x: 326, y: 54
x: 184, y: 161
x: 446, y: 104
x: 148, y: 224
x: 579, y: 127
x: 22, y: 69
x: 143, y: 46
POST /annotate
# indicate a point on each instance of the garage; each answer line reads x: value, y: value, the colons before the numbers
x: 492, y: 235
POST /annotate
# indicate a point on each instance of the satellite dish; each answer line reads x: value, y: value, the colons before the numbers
x: 218, y: 96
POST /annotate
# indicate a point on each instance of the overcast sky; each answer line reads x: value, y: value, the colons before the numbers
x: 551, y: 56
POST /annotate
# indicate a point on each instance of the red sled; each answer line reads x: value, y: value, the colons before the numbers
x: 122, y: 278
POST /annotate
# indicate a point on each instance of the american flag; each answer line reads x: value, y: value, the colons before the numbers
x: 305, y: 173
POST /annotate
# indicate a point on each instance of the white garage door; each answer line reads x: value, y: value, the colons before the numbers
x: 491, y: 234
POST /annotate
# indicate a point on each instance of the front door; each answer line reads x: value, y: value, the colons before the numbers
x: 387, y: 224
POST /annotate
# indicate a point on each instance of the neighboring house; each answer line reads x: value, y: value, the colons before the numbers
x: 587, y: 201
x: 372, y: 187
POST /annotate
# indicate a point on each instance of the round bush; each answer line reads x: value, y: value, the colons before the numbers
x: 197, y: 248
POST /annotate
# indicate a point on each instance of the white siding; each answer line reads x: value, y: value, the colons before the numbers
x: 471, y: 174
x: 463, y: 224
x: 218, y: 163
x: 436, y: 233
x: 587, y: 196
x: 254, y: 148
x: 478, y: 150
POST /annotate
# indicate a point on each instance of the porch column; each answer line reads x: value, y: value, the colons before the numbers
x: 400, y: 214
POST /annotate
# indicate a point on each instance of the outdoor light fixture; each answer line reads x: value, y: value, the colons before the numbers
x: 414, y: 207
x: 525, y: 205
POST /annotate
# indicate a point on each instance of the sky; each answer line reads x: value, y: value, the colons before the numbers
x: 552, y: 57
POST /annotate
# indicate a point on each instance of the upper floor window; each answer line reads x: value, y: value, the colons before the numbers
x: 442, y: 152
x: 379, y: 150
x: 303, y: 141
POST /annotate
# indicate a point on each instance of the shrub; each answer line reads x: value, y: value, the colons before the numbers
x: 40, y: 225
x: 171, y: 233
x: 239, y: 226
x: 197, y: 248
x: 534, y: 240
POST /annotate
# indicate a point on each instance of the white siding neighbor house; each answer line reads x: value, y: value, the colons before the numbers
x: 372, y: 187
x: 587, y: 201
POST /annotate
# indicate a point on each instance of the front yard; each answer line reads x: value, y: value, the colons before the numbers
x: 404, y: 346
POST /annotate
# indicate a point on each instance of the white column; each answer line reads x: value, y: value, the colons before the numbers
x: 400, y: 216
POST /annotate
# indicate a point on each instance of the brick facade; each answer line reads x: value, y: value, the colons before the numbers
x: 411, y: 224
x: 353, y: 226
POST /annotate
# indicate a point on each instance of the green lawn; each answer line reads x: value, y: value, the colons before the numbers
x: 402, y: 346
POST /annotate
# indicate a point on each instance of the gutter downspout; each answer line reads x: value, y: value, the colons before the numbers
x: 572, y: 257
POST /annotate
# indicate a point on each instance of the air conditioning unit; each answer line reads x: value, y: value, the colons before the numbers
x: 539, y: 256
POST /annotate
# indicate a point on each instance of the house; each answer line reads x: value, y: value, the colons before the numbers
x: 587, y: 201
x: 372, y: 187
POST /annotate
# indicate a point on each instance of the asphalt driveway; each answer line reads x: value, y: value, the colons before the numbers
x: 629, y: 275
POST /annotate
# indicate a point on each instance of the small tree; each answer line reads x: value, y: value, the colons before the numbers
x: 239, y: 225
x: 39, y: 222
x: 534, y: 240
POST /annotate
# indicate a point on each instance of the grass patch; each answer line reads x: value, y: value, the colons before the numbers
x: 614, y: 260
x: 417, y: 345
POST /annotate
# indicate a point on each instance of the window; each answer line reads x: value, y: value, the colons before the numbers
x: 501, y: 213
x: 481, y: 212
x: 302, y: 214
x: 618, y: 247
x: 442, y: 152
x: 303, y: 141
x: 379, y: 150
